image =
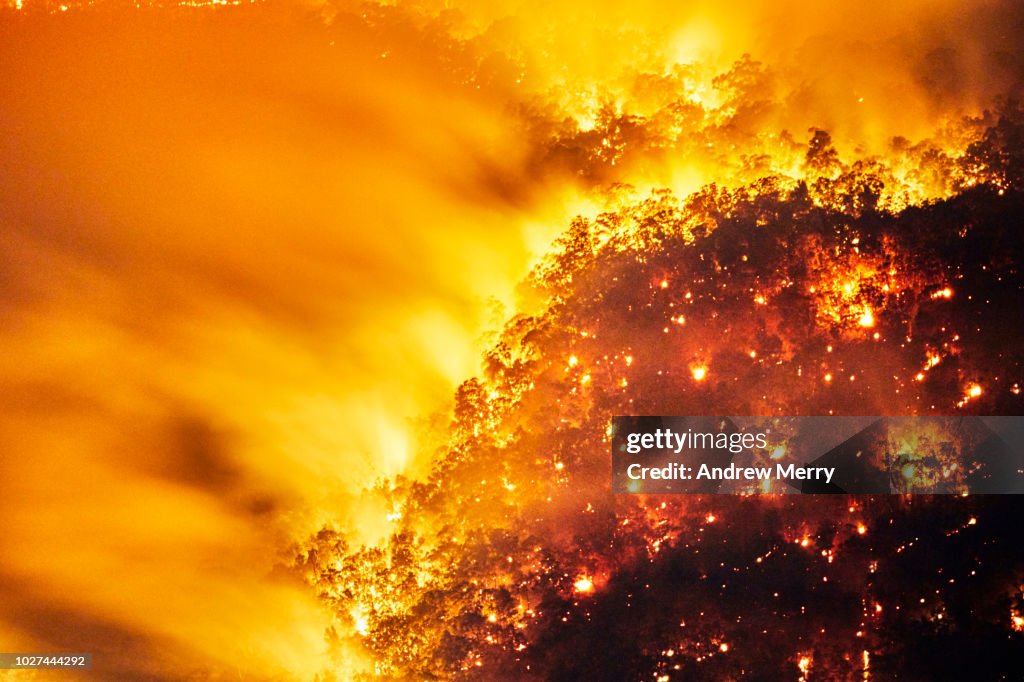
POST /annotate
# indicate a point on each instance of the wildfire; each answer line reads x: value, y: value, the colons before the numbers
x: 848, y: 293
x: 308, y: 365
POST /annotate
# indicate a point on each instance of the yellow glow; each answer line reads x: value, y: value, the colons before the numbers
x: 699, y: 373
x: 696, y: 41
x: 361, y: 624
x: 867, y: 319
x: 583, y: 585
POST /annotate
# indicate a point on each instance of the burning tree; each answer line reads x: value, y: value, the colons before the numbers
x: 786, y: 296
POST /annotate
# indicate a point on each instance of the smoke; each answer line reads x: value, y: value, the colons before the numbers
x: 866, y: 72
x: 911, y: 63
x: 236, y: 260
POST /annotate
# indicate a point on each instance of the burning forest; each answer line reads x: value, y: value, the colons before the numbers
x: 787, y: 296
x: 373, y: 440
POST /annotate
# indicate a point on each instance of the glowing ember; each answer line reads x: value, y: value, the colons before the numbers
x: 867, y: 319
x: 583, y: 585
